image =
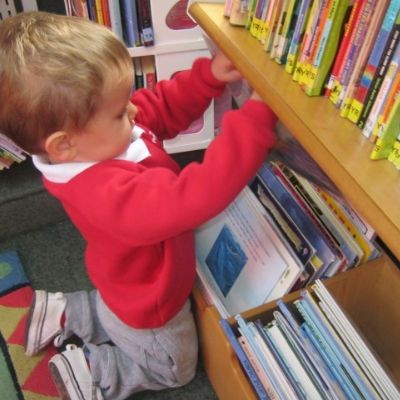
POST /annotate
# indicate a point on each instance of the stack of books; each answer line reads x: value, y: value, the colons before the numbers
x: 281, y: 233
x: 9, y: 152
x: 308, y: 349
x: 348, y: 51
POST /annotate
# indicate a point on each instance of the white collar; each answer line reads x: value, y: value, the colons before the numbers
x: 62, y: 173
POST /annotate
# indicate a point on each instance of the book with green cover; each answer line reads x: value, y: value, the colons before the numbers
x: 326, y: 55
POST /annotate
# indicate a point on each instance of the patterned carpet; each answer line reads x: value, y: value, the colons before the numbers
x: 21, y: 377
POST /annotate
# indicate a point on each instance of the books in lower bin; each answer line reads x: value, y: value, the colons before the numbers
x: 308, y: 348
x: 281, y: 233
x: 9, y: 152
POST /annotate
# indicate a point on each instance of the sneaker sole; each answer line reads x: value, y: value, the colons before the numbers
x: 60, y: 366
x: 36, y: 317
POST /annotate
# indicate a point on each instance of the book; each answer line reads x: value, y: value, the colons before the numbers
x: 383, y: 114
x: 272, y: 21
x: 356, y: 344
x: 333, y: 86
x: 145, y: 22
x: 244, y: 358
x: 299, y: 375
x: 287, y: 31
x: 130, y: 23
x: 382, y: 96
x: 388, y: 135
x: 281, y: 19
x: 239, y: 13
x: 304, y: 50
x: 326, y: 51
x: 371, y: 66
x: 115, y: 18
x: 263, y: 352
x: 243, y: 256
x: 370, y: 36
x: 139, y: 79
x: 149, y: 72
x: 354, y: 49
x: 387, y: 55
x: 99, y: 11
x: 302, y: 217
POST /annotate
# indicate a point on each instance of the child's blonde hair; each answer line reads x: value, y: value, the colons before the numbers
x: 53, y: 71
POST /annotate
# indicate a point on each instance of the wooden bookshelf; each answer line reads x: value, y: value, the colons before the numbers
x: 369, y: 293
x: 337, y: 145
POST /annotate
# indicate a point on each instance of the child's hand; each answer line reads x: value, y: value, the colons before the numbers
x: 223, y: 69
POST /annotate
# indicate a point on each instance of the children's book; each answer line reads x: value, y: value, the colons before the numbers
x: 370, y: 36
x: 333, y: 87
x: 130, y: 23
x: 372, y: 64
x: 321, y: 64
x: 388, y: 135
x: 243, y: 256
x: 382, y: 97
x: 145, y: 22
x: 296, y: 40
x: 384, y: 63
x: 281, y: 19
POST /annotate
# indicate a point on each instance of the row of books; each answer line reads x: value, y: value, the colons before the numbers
x: 308, y: 349
x: 348, y: 51
x: 130, y: 19
x: 145, y: 72
x: 9, y: 152
x: 281, y: 233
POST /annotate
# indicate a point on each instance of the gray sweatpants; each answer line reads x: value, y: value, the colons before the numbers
x: 137, y: 359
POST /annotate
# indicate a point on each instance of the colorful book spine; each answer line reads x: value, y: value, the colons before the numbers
x: 299, y: 70
x: 288, y: 29
x: 145, y: 22
x: 394, y: 155
x: 115, y: 18
x: 130, y: 23
x: 328, y: 49
x: 392, y: 95
x: 365, y: 51
x: 298, y: 33
x: 272, y: 25
x: 382, y: 69
x: 392, y: 72
x: 371, y: 67
x: 333, y: 85
x: 385, y: 142
x: 355, y: 46
x: 256, y: 22
x: 281, y: 19
x: 316, y: 40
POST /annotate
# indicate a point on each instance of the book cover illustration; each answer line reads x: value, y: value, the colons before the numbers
x: 177, y: 17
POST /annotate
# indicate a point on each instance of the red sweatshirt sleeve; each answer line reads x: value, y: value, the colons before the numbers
x: 141, y: 206
x: 176, y: 103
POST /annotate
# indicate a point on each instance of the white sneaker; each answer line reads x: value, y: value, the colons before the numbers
x: 44, y: 321
x: 72, y: 375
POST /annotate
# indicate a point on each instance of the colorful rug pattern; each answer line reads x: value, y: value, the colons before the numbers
x: 21, y: 377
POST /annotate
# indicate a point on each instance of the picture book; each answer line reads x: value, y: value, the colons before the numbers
x: 387, y: 56
x: 387, y: 106
x: 299, y: 376
x: 356, y: 344
x: 272, y: 24
x: 370, y: 36
x: 321, y: 64
x: 242, y: 255
x: 281, y: 19
x: 332, y: 343
x: 382, y: 96
x: 353, y: 51
x: 245, y: 361
x: 287, y: 31
x: 333, y: 84
x: 302, y: 217
x: 296, y: 40
x: 388, y: 135
x: 371, y: 67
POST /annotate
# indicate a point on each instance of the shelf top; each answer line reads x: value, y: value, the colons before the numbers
x: 337, y: 145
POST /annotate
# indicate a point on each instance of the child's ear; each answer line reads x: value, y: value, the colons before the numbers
x: 60, y: 147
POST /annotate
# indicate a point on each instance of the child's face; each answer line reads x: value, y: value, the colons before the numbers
x: 109, y: 132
